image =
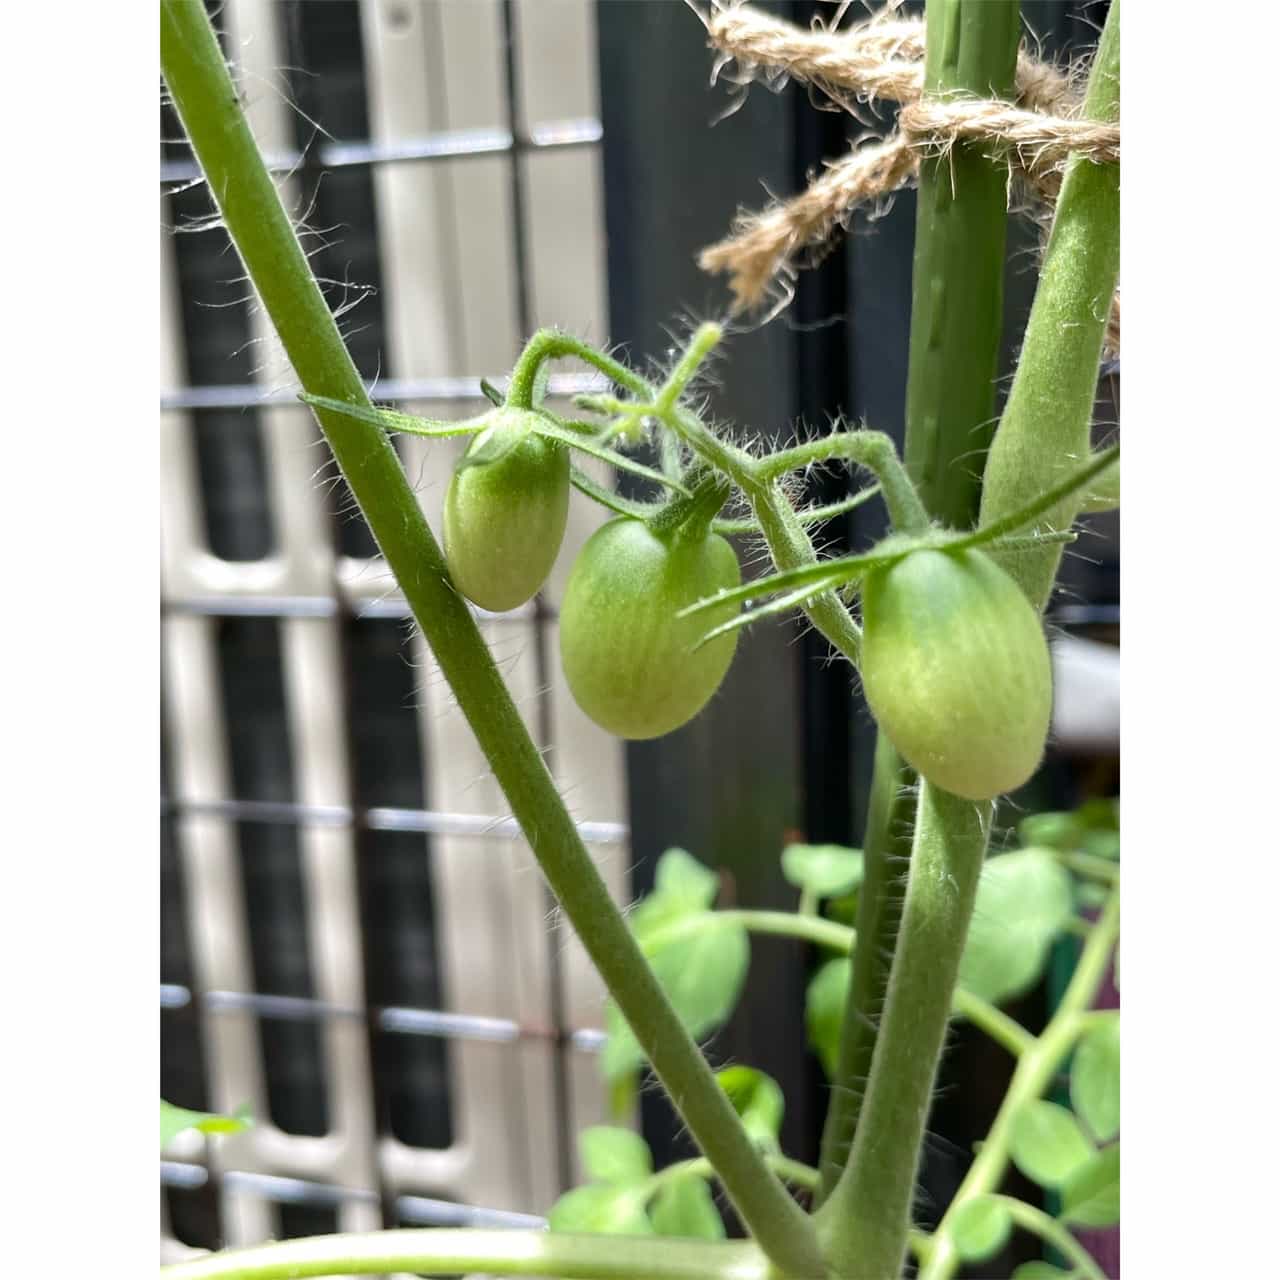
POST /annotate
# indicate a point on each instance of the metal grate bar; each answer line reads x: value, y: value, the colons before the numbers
x: 412, y: 1210
x: 250, y: 395
x: 426, y: 821
x: 450, y: 145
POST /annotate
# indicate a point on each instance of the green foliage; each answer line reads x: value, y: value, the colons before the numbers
x: 823, y: 870
x: 1024, y: 900
x: 1040, y: 1271
x: 757, y: 1098
x: 176, y: 1120
x: 684, y: 1207
x: 615, y: 1156
x: 603, y: 1209
x: 701, y: 970
x: 981, y: 1228
x: 1095, y: 1080
x: 1047, y: 1143
x: 824, y: 1010
x: 1091, y: 1193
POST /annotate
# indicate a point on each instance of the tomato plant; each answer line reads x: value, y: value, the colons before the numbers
x: 952, y: 652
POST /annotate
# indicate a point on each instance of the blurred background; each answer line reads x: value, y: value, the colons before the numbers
x: 355, y: 939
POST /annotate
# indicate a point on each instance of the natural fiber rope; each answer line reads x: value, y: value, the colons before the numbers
x: 881, y: 58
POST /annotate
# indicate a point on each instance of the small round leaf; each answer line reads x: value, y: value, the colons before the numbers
x: 824, y: 870
x: 613, y: 1155
x: 601, y: 1209
x: 980, y: 1228
x: 1091, y: 1195
x: 684, y: 1207
x: 1095, y: 1080
x: 1047, y: 1143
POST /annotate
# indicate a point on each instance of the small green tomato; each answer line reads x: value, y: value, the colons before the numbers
x: 955, y: 666
x: 629, y: 661
x: 504, y: 520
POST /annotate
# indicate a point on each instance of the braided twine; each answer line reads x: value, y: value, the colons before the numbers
x: 881, y: 59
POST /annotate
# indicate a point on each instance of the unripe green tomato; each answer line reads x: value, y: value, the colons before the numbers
x: 955, y: 666
x: 504, y: 521
x: 629, y: 660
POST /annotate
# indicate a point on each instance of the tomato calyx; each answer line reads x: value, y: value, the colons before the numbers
x: 688, y: 517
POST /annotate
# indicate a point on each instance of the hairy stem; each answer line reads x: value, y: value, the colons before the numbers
x: 957, y: 286
x: 870, y: 449
x: 1054, y: 1233
x: 1035, y: 1070
x: 446, y: 1251
x: 1044, y: 429
x: 866, y: 1221
x: 886, y: 847
x: 207, y: 103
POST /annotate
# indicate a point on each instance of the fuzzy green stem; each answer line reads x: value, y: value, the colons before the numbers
x: 886, y: 845
x: 780, y: 525
x: 957, y: 283
x: 870, y: 449
x: 206, y: 101
x: 1044, y: 429
x: 1034, y: 1071
x: 551, y: 344
x: 691, y: 517
x: 790, y: 1171
x: 446, y: 1251
x: 1053, y: 1233
x: 866, y: 1221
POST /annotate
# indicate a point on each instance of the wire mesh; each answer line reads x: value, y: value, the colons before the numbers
x: 355, y: 938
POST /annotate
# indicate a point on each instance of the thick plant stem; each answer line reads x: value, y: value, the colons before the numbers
x: 957, y: 289
x: 885, y: 851
x: 464, y: 1252
x: 1044, y: 430
x: 866, y: 1221
x: 206, y: 101
x: 1035, y: 1070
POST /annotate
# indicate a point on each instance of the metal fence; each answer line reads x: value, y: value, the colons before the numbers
x: 355, y: 934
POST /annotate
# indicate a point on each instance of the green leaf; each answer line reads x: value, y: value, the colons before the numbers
x: 682, y: 886
x: 1040, y: 1271
x: 601, y: 1210
x: 824, y: 1010
x: 505, y: 431
x: 491, y: 393
x: 1095, y: 1080
x: 1091, y: 1195
x: 390, y: 420
x: 550, y: 429
x: 1024, y: 900
x: 1102, y: 844
x: 824, y: 870
x: 1049, y: 830
x: 1047, y: 1143
x: 176, y: 1120
x: 1089, y: 893
x: 758, y: 1099
x: 616, y: 1156
x: 684, y: 1207
x: 702, y: 974
x: 980, y: 1228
